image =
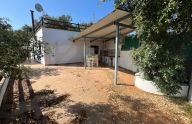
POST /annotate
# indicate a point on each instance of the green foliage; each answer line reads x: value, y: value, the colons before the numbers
x: 164, y: 28
x: 27, y: 29
x: 65, y: 18
x: 58, y: 22
x: 62, y: 18
x: 86, y: 24
x: 162, y: 66
x: 15, y: 47
x: 64, y: 22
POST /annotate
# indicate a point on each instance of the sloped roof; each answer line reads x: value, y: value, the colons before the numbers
x: 106, y: 27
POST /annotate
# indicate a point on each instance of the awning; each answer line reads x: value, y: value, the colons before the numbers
x: 106, y: 27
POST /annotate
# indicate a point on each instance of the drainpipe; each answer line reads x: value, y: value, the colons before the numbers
x: 190, y: 90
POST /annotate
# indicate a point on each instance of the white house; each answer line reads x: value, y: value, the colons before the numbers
x: 63, y: 50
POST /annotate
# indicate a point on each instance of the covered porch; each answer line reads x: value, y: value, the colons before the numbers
x: 102, y: 39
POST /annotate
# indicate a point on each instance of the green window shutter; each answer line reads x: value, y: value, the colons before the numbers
x: 188, y: 51
x: 129, y: 43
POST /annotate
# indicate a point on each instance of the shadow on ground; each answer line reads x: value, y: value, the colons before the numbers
x: 47, y: 71
x: 121, y: 82
x: 136, y: 111
x: 23, y: 105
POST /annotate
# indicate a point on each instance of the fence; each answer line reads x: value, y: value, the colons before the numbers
x: 52, y: 23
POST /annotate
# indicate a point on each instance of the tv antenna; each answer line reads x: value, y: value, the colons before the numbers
x: 93, y: 17
x: 39, y: 8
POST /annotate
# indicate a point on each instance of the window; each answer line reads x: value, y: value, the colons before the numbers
x: 129, y: 43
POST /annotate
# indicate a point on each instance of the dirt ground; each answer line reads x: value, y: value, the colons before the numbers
x: 70, y: 94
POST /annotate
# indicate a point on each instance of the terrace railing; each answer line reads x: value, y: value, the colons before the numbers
x: 52, y: 23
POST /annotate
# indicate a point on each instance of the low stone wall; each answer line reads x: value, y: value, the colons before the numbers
x: 190, y: 90
x: 3, y: 86
x: 149, y: 86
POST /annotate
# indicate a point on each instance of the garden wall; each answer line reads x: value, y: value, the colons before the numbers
x: 149, y: 86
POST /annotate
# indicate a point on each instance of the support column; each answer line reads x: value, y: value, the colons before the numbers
x: 116, y: 54
x: 85, y: 53
x: 190, y: 90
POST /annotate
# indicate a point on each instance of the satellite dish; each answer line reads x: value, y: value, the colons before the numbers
x: 38, y: 7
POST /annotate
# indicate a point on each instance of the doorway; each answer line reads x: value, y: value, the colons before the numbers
x: 95, y: 49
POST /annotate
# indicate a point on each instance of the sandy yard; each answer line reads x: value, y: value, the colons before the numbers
x: 70, y: 94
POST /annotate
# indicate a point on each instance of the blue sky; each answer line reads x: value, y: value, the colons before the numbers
x: 18, y: 11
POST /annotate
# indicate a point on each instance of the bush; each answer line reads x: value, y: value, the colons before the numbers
x: 164, y: 28
x: 164, y: 67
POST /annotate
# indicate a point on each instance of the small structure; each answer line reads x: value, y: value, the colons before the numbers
x: 72, y: 43
x: 103, y: 34
x: 108, y: 29
x: 58, y: 47
x: 108, y: 33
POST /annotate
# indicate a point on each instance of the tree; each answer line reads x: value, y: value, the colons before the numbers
x: 26, y: 28
x: 15, y: 47
x: 62, y: 18
x: 64, y: 22
x: 58, y: 22
x: 65, y: 18
x: 164, y: 28
x: 86, y: 24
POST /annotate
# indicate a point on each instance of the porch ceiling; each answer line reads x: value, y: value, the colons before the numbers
x: 106, y: 27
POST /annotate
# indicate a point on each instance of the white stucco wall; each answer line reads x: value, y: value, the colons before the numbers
x: 39, y: 36
x: 149, y: 86
x: 126, y: 61
x: 61, y: 49
x: 65, y: 51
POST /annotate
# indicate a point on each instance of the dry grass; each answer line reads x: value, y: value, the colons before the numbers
x: 188, y: 110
